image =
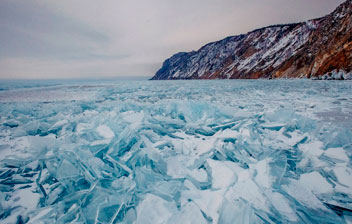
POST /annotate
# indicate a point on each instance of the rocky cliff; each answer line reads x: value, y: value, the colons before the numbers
x: 318, y: 48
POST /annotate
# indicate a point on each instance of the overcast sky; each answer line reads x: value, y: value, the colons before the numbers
x: 93, y: 39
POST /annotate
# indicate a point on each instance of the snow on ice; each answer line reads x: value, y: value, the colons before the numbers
x: 176, y: 152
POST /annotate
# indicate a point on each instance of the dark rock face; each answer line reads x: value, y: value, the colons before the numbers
x: 309, y: 49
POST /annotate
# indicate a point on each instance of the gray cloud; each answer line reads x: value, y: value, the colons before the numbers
x: 87, y: 38
x: 28, y: 29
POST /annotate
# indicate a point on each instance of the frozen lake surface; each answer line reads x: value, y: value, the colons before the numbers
x: 229, y: 151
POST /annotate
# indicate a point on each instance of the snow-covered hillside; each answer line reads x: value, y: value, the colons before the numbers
x: 308, y: 49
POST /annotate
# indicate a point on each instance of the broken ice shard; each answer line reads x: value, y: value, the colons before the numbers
x: 177, y: 152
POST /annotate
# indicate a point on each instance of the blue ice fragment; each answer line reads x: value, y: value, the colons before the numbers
x: 139, y: 152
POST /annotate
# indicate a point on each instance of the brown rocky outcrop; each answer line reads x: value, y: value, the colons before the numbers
x: 317, y: 48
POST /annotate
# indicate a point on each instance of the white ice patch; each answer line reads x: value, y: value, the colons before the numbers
x: 209, y: 201
x: 263, y: 176
x: 313, y: 148
x: 133, y: 117
x: 178, y: 167
x: 105, y: 132
x: 154, y: 210
x: 312, y: 151
x: 282, y: 205
x: 343, y: 175
x: 338, y: 154
x: 223, y: 174
x: 316, y: 183
x: 304, y: 195
x: 59, y: 124
x: 189, y: 214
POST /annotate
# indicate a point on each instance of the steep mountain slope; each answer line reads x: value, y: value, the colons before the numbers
x: 309, y: 49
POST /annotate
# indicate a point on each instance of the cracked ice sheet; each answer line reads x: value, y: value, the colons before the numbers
x: 176, y: 152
